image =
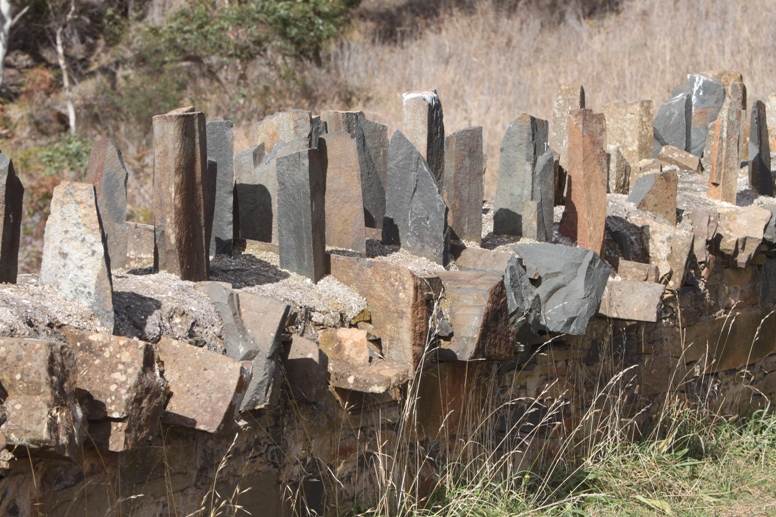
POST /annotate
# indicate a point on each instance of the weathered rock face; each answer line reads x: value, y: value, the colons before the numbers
x: 684, y: 160
x: 346, y: 121
x: 525, y: 305
x: 301, y: 219
x: 669, y: 250
x: 140, y: 246
x: 629, y: 127
x: 740, y: 231
x: 400, y: 302
x: 220, y: 149
x: 707, y: 95
x: 570, y: 284
x: 11, y: 212
x: 346, y: 344
x: 525, y: 193
x: 725, y: 152
x: 479, y: 316
x: 637, y: 271
x: 656, y: 193
x: 463, y: 186
x: 41, y: 409
x: 207, y: 388
x: 305, y: 369
x: 673, y: 124
x: 584, y: 219
x: 107, y: 172
x: 75, y: 259
x: 415, y: 214
x: 704, y: 227
x: 183, y: 197
x: 121, y: 383
x: 635, y: 301
x: 569, y: 97
x: 286, y: 127
x: 619, y: 171
x: 424, y: 127
x: 760, y: 152
x: 372, y: 141
x: 483, y: 259
x: 344, y: 202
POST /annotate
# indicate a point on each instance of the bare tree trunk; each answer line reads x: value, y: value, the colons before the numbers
x: 5, y: 29
x: 63, y: 66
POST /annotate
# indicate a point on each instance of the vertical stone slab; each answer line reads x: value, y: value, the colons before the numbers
x: 770, y: 116
x: 183, y: 196
x: 463, y: 184
x: 656, y: 193
x: 415, y: 214
x: 11, y: 196
x: 707, y: 94
x: 286, y: 126
x: 424, y: 127
x: 220, y: 149
x: 760, y: 152
x: 569, y: 97
x: 107, y: 172
x: 301, y: 220
x: 516, y: 205
x: 673, y: 124
x: 619, y: 171
x: 584, y: 219
x: 344, y: 204
x: 75, y: 259
x: 725, y: 152
x: 630, y: 127
x: 372, y: 141
x: 342, y: 121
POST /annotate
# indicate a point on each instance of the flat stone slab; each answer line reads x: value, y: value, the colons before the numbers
x: 463, y: 183
x: 741, y: 230
x: 629, y: 300
x: 11, y: 212
x: 220, y: 149
x: 207, y: 388
x: 636, y: 271
x: 41, y: 409
x: 684, y: 160
x: 75, y: 261
x: 760, y: 152
x: 344, y: 201
x: 483, y: 259
x: 380, y: 376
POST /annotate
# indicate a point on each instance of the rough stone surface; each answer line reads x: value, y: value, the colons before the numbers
x: 122, y: 384
x: 629, y: 127
x: 584, y: 219
x: 741, y: 230
x: 704, y: 227
x: 140, y: 246
x: 301, y: 219
x: 669, y: 249
x: 479, y: 316
x: 75, y: 259
x: 346, y: 121
x: 684, y: 160
x: 207, y: 388
x: 183, y: 196
x: 11, y: 212
x: 463, y: 183
x: 380, y: 376
x: 349, y: 345
x: 286, y: 127
x: 673, y: 124
x: 415, y: 214
x: 707, y: 95
x: 424, y: 127
x: 107, y: 172
x: 305, y: 367
x: 372, y: 141
x: 635, y: 301
x: 526, y: 181
x: 524, y: 302
x: 725, y: 152
x: 770, y: 117
x: 637, y: 271
x: 570, y: 284
x: 220, y: 149
x: 41, y: 409
x: 486, y: 260
x: 656, y: 193
x: 619, y: 171
x: 760, y: 152
x: 400, y: 302
x: 344, y: 201
x: 569, y: 97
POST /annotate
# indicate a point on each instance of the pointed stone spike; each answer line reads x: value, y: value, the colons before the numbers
x: 11, y: 212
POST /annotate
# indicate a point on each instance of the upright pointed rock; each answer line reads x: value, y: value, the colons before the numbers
x: 760, y: 152
x: 220, y: 149
x: 183, y: 197
x: 463, y: 186
x: 725, y: 152
x: 584, y: 219
x: 424, y: 127
x: 569, y: 97
x: 344, y: 204
x: 372, y: 140
x: 108, y: 174
x: 415, y: 214
x: 75, y: 259
x: 11, y: 212
x: 301, y: 219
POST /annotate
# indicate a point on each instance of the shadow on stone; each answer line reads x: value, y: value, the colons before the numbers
x: 507, y: 222
x: 253, y: 204
x: 245, y: 271
x: 132, y: 311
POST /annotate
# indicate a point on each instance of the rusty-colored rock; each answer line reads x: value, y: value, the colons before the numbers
x: 463, y: 186
x: 349, y: 345
x: 379, y: 377
x: 760, y: 152
x: 656, y: 193
x: 725, y: 152
x: 685, y: 161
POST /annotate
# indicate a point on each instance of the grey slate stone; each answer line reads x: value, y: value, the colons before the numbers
x: 11, y: 213
x: 415, y: 215
x: 525, y: 304
x: 707, y: 95
x: 571, y: 283
x: 522, y: 186
x: 463, y: 185
x: 301, y: 219
x: 107, y: 172
x: 673, y: 123
x: 220, y: 149
x: 760, y: 152
x: 423, y: 125
x: 372, y: 141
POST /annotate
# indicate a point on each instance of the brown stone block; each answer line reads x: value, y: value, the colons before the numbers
x: 740, y: 231
x: 635, y: 301
x: 670, y: 155
x: 483, y: 259
x: 636, y: 271
x: 140, y: 246
x: 656, y: 193
x: 725, y: 152
x: 629, y: 127
x: 569, y: 97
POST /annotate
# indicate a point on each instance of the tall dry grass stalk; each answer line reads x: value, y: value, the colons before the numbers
x: 489, y: 67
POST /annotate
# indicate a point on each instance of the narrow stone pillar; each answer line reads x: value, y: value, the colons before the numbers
x: 760, y: 152
x: 630, y: 127
x: 725, y: 152
x: 463, y: 187
x: 11, y: 212
x: 372, y: 141
x: 220, y: 149
x: 424, y: 126
x: 569, y: 97
x: 183, y: 197
x: 585, y: 217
